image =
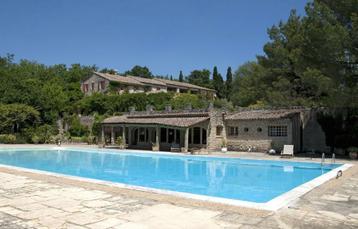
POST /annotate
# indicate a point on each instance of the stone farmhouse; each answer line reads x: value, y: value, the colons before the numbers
x: 208, y: 130
x: 101, y: 82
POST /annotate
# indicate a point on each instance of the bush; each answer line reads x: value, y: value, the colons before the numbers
x: 83, y: 139
x: 181, y: 101
x: 7, y: 138
x: 91, y: 140
x: 352, y: 149
x: 41, y: 134
x: 77, y: 129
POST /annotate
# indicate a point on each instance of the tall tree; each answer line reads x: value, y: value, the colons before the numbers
x: 181, y: 76
x: 218, y: 83
x: 249, y: 87
x: 228, y: 83
x: 200, y: 78
x: 140, y: 71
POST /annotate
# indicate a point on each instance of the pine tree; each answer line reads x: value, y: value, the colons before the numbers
x: 181, y: 77
x: 218, y: 83
x: 228, y: 83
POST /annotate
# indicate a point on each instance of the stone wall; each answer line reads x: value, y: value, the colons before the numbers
x: 216, y: 120
x: 256, y: 135
x: 96, y: 80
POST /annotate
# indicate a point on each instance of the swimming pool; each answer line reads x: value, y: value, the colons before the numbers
x: 232, y: 179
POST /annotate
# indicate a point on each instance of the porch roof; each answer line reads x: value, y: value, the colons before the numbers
x: 262, y: 114
x: 156, y: 120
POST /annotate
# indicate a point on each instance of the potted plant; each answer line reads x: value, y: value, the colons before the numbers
x: 155, y: 147
x: 224, y: 146
x: 120, y: 142
x: 353, y: 152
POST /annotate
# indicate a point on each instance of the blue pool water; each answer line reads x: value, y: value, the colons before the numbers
x: 240, y: 179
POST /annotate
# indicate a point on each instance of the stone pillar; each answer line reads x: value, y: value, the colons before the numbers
x: 201, y: 136
x: 112, y: 135
x: 157, y: 132
x: 186, y: 140
x: 124, y: 135
x: 102, y: 135
x: 129, y: 136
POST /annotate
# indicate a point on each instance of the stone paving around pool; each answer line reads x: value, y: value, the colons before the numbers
x: 30, y: 202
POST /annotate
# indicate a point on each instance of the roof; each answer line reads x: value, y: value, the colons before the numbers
x: 148, y: 81
x: 120, y: 79
x: 184, y: 85
x: 140, y: 81
x: 167, y: 118
x: 158, y: 120
x: 262, y: 114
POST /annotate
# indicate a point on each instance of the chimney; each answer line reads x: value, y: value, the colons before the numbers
x: 168, y: 108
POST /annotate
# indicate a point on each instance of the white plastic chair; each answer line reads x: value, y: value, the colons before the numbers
x: 287, y: 151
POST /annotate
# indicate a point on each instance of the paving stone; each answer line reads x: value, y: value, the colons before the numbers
x: 334, y: 215
x: 11, y: 211
x: 355, y: 216
x: 85, y: 218
x: 107, y: 223
x: 96, y: 203
x: 334, y: 198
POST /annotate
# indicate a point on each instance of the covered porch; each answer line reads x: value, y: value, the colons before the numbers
x: 164, y: 134
x: 146, y: 137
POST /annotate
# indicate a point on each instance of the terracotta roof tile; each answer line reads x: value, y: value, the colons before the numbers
x: 184, y: 85
x: 147, y: 81
x: 165, y: 121
x: 120, y: 79
x: 262, y: 114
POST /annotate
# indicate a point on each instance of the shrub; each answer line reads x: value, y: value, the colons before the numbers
x: 352, y: 149
x: 83, y: 139
x: 35, y: 139
x: 7, y: 138
x: 77, y: 129
x: 91, y: 140
x: 41, y: 134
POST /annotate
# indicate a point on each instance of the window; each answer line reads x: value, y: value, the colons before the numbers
x: 246, y: 129
x: 163, y: 134
x: 85, y: 87
x: 171, y: 135
x: 141, y: 135
x: 277, y: 131
x: 203, y: 136
x: 177, y: 140
x: 92, y: 86
x: 233, y: 131
x: 103, y: 85
x: 196, y: 135
x: 219, y: 130
x: 259, y: 129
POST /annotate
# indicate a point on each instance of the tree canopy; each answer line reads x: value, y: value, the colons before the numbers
x: 139, y: 71
x: 309, y: 61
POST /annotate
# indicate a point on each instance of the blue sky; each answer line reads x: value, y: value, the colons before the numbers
x: 165, y: 35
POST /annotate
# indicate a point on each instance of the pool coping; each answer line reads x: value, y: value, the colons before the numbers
x: 273, y: 205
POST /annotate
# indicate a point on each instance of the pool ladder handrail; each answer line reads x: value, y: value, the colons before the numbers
x: 333, y: 159
x: 323, y: 159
